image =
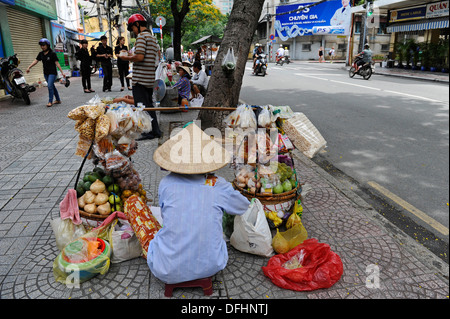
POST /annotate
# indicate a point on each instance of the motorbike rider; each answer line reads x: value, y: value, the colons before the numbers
x: 366, y: 56
x: 257, y: 54
x: 280, y: 53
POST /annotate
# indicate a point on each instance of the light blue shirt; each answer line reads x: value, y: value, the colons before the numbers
x: 190, y: 245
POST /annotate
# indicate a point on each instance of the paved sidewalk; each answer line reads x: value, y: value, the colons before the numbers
x: 38, y: 166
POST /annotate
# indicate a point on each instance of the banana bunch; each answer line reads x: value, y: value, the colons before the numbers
x: 277, y: 221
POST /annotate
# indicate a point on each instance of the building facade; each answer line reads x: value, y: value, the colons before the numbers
x: 225, y: 6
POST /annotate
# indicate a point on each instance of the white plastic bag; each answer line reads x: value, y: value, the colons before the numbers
x: 66, y: 231
x: 198, y: 101
x: 251, y: 231
x: 125, y: 244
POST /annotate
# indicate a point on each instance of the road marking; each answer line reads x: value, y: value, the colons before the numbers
x: 410, y: 208
x: 416, y: 96
x: 370, y: 88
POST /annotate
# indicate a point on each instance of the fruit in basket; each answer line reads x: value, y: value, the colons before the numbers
x: 99, y: 171
x: 87, y: 186
x: 104, y: 209
x: 278, y: 189
x: 97, y: 187
x: 114, y: 188
x: 116, y: 208
x: 115, y: 199
x: 108, y: 180
x: 287, y: 186
x: 80, y: 189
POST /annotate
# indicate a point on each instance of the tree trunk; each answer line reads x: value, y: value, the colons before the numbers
x: 224, y: 90
x: 178, y: 17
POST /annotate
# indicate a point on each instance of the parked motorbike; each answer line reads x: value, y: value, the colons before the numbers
x: 365, y: 70
x: 13, y: 80
x: 283, y: 60
x: 261, y: 65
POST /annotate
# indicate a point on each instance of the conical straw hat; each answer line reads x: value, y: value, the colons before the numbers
x: 191, y: 151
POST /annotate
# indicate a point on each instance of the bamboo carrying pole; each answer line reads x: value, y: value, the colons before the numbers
x: 194, y: 108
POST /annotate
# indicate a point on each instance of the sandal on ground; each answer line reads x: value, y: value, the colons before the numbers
x: 49, y: 104
x: 87, y: 91
x: 91, y: 90
x: 129, y: 89
x: 57, y: 102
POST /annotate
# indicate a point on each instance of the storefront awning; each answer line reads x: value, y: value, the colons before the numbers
x: 428, y: 24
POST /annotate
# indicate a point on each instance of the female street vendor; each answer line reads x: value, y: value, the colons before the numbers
x: 190, y: 245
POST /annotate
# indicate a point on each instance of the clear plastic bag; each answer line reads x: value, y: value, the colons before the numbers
x: 229, y: 62
x: 86, y: 257
x: 65, y: 231
x: 242, y: 117
x: 265, y: 118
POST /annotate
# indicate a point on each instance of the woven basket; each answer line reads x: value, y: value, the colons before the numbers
x: 94, y: 217
x: 286, y: 199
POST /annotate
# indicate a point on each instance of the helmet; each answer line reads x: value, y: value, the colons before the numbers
x: 67, y: 83
x: 135, y: 18
x: 366, y: 46
x: 44, y: 41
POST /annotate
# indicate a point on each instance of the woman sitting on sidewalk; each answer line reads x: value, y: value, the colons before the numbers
x: 183, y: 84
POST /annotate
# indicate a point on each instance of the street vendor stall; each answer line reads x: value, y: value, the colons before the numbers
x: 211, y: 45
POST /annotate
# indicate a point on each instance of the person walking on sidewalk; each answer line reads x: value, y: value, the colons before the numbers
x: 85, y: 66
x: 144, y: 69
x: 50, y: 63
x: 178, y: 253
x: 122, y: 65
x: 104, y: 54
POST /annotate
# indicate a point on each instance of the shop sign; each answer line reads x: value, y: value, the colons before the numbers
x: 438, y: 9
x: 408, y: 14
x: 10, y: 2
x: 46, y: 8
x: 59, y: 39
x: 330, y: 17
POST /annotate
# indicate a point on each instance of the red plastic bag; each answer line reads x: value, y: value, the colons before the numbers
x: 320, y: 267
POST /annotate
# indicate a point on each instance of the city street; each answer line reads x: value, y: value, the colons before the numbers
x: 387, y: 136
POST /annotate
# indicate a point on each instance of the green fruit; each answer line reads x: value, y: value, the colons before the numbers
x: 278, y: 189
x: 107, y: 180
x: 94, y: 176
x: 114, y: 188
x: 87, y: 186
x: 86, y: 177
x: 287, y: 186
x: 293, y: 180
x: 99, y: 170
x: 117, y: 199
x: 80, y: 190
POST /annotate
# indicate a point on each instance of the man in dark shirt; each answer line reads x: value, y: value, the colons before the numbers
x: 104, y: 54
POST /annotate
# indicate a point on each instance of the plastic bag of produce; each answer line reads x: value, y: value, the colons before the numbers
x: 251, y: 231
x: 87, y: 256
x: 229, y: 62
x: 309, y: 266
x: 65, y: 231
x: 285, y: 241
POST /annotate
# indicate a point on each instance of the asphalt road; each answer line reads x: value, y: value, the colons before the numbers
x: 387, y: 137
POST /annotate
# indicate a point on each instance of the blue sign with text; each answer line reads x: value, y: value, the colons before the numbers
x: 331, y: 17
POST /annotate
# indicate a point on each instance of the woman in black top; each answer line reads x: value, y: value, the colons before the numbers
x: 50, y: 62
x: 122, y: 65
x: 86, y: 61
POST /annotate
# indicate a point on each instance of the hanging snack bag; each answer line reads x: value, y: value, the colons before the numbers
x: 144, y: 224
